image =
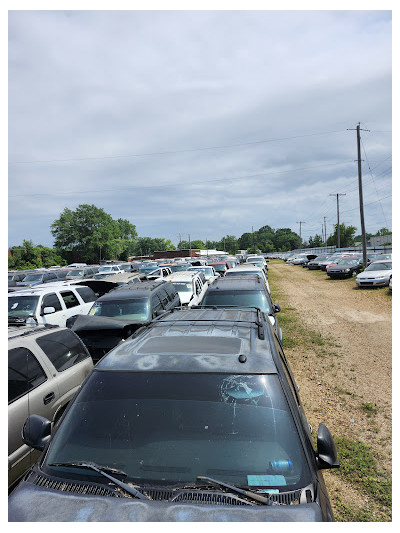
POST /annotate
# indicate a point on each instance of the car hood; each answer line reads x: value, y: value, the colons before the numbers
x: 30, y: 503
x: 374, y: 273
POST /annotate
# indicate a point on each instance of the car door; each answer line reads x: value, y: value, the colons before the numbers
x: 57, y: 318
x: 198, y: 292
x: 31, y: 391
x: 69, y: 359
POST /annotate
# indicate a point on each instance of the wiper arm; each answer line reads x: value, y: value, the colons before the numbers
x: 249, y: 494
x: 130, y: 490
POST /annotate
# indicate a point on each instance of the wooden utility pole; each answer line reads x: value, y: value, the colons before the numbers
x: 338, y: 224
x: 360, y: 194
x: 301, y: 242
x: 325, y: 229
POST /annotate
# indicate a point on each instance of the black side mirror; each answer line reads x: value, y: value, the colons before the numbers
x: 277, y: 308
x: 326, y: 449
x: 36, y: 432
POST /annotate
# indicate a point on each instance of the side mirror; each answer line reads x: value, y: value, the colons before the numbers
x: 159, y: 312
x: 36, y: 432
x: 326, y: 449
x: 277, y: 308
x: 49, y: 310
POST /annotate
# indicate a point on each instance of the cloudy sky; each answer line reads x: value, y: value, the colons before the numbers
x: 200, y: 123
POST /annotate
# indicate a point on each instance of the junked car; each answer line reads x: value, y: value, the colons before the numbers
x: 48, y: 304
x: 345, y: 268
x: 46, y: 366
x: 377, y: 274
x: 196, y: 418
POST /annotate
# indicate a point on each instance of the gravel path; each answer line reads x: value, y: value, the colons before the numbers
x: 346, y: 380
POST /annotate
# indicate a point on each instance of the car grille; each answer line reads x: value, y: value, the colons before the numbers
x: 171, y: 495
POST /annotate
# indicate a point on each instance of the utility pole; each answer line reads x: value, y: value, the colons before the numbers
x: 190, y: 247
x: 252, y: 235
x: 360, y: 194
x: 301, y: 242
x: 325, y: 229
x: 338, y: 226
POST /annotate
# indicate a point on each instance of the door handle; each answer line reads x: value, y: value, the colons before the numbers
x: 48, y: 398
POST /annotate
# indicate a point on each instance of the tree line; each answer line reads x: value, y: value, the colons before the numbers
x: 89, y: 234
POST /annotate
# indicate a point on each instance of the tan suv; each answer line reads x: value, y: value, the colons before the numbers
x: 46, y: 366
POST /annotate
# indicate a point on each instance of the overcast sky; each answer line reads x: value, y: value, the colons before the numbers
x: 205, y: 123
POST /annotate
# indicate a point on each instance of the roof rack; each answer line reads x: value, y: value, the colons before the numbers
x: 258, y: 322
x: 30, y: 331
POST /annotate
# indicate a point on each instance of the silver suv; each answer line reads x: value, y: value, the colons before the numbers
x: 46, y: 366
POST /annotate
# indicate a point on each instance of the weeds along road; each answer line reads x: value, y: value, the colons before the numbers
x: 338, y: 339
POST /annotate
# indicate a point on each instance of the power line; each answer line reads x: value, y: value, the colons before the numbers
x: 179, y: 184
x: 169, y: 152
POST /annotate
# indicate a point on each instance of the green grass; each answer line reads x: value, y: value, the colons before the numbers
x: 358, y: 466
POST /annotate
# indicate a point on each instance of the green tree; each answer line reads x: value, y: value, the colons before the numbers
x: 346, y: 236
x: 316, y: 241
x: 382, y: 231
x: 88, y: 230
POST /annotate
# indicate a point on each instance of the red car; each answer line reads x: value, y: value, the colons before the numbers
x: 220, y: 267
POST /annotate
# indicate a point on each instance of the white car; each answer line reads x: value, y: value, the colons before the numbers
x: 49, y: 304
x: 248, y: 269
x: 189, y: 285
x: 159, y: 273
x: 45, y: 369
x: 209, y: 272
x: 377, y: 274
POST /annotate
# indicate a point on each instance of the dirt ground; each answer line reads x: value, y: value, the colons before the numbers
x: 345, y: 380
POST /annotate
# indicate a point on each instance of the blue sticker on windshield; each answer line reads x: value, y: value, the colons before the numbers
x: 266, y: 481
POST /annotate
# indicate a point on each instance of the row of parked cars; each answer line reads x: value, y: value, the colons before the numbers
x: 378, y: 272
x: 188, y: 410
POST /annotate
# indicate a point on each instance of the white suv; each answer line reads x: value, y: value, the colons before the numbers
x: 46, y: 366
x: 48, y: 304
x: 189, y: 285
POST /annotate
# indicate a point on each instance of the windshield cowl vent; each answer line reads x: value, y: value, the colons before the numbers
x: 206, y: 497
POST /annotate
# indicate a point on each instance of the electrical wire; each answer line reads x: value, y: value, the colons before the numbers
x: 169, y: 152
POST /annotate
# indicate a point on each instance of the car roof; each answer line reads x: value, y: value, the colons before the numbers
x: 235, y: 341
x: 37, y: 291
x: 237, y: 283
x: 183, y: 275
x: 246, y: 267
x: 134, y: 290
x: 15, y: 332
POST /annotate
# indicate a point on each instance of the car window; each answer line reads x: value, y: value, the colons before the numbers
x: 70, y: 299
x: 148, y: 416
x: 24, y: 373
x: 63, y: 348
x: 245, y: 298
x: 164, y: 297
x: 198, y: 286
x: 156, y: 303
x: 51, y: 300
x: 86, y: 293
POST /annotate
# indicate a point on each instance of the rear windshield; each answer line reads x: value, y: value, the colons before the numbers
x: 237, y: 298
x: 183, y: 287
x: 135, y: 308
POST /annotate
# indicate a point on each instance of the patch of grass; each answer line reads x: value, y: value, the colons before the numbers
x: 358, y: 467
x: 369, y: 408
x: 349, y: 513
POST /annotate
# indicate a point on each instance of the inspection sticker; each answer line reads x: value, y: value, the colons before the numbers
x: 266, y: 481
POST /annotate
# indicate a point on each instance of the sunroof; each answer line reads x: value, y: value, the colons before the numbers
x: 191, y: 345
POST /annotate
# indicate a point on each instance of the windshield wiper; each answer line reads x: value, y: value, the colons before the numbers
x: 102, y: 470
x: 249, y: 494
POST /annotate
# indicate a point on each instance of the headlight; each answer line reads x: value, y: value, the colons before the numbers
x: 347, y: 270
